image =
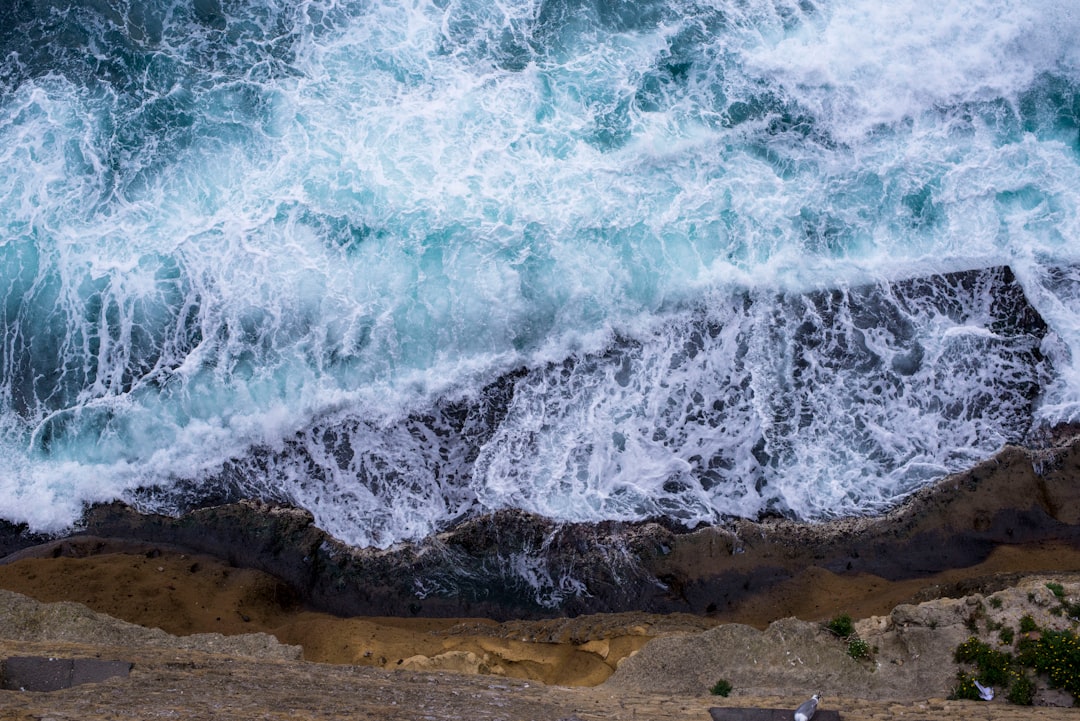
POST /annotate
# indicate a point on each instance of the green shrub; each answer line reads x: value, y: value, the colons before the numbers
x: 1022, y: 691
x: 965, y: 687
x: 1057, y: 589
x: 721, y: 688
x: 1058, y: 656
x: 857, y: 648
x: 1006, y: 635
x: 994, y: 666
x: 970, y: 651
x: 1027, y: 650
x: 995, y: 602
x: 1027, y: 624
x: 841, y: 625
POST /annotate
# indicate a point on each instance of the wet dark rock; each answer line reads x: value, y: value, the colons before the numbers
x: 512, y: 564
x: 16, y: 536
x: 507, y: 564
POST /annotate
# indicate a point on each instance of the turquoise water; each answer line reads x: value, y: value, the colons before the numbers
x: 402, y: 263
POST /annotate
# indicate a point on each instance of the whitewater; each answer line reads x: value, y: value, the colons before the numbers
x: 404, y: 263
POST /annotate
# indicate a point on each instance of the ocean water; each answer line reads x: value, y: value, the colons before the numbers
x: 401, y: 263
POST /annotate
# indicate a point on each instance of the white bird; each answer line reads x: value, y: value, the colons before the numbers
x: 807, y: 708
x: 985, y: 692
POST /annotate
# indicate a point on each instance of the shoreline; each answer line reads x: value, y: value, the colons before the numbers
x: 511, y: 565
x: 984, y: 532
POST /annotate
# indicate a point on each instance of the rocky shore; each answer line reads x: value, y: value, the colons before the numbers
x: 615, y: 620
x: 511, y: 565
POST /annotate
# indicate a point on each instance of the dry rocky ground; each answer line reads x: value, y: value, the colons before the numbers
x: 254, y: 676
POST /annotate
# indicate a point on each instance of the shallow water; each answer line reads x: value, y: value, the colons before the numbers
x: 401, y: 263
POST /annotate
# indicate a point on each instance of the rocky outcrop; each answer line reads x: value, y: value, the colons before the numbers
x: 1017, y: 497
x: 911, y: 657
x: 24, y: 619
x: 515, y: 565
x: 911, y: 650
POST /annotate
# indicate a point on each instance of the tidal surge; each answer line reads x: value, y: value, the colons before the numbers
x: 402, y: 264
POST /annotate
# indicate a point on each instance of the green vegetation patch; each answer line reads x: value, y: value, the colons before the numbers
x: 1022, y: 691
x: 1053, y: 653
x: 841, y: 625
x: 721, y: 688
x: 858, y: 649
x: 965, y: 687
x: 993, y: 666
x: 1058, y: 656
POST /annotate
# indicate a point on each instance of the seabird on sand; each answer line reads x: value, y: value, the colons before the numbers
x: 807, y: 708
x: 986, y: 693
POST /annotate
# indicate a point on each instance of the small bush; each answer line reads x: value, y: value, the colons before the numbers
x: 970, y: 651
x: 995, y: 602
x: 1058, y: 656
x: 841, y: 625
x: 1022, y: 691
x: 965, y: 688
x: 721, y: 688
x: 1027, y: 650
x: 1006, y: 635
x: 1027, y: 624
x: 1057, y: 589
x: 858, y: 649
x: 993, y: 666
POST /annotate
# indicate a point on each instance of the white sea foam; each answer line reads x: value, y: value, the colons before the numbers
x: 863, y: 65
x: 296, y: 250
